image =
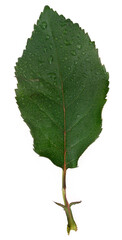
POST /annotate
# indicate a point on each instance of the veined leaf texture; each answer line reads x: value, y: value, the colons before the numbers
x: 62, y: 87
x: 61, y: 91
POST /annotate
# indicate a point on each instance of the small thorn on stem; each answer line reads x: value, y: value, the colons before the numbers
x: 59, y: 204
x: 73, y: 203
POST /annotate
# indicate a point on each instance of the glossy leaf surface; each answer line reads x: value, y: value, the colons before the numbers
x: 62, y: 87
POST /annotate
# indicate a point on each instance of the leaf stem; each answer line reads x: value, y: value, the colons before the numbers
x: 71, y: 223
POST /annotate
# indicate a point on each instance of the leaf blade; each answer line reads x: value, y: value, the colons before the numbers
x: 61, y: 62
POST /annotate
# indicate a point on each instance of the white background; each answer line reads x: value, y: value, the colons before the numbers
x: 28, y: 183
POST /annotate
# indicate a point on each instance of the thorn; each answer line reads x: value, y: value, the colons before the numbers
x: 73, y: 203
x: 59, y: 204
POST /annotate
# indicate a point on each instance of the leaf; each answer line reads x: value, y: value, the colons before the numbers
x: 62, y: 89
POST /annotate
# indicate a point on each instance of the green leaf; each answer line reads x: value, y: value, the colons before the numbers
x: 62, y: 87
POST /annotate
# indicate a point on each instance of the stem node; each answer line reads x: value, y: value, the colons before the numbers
x: 67, y: 207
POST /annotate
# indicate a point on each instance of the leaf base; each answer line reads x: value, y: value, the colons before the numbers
x: 71, y: 223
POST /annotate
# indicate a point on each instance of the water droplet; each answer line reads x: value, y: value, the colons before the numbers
x: 69, y: 68
x: 52, y: 76
x: 65, y: 31
x: 34, y: 80
x: 51, y: 46
x: 41, y: 62
x: 76, y: 62
x: 47, y: 37
x: 51, y: 59
x: 56, y: 38
x: 63, y: 23
x: 44, y: 25
x: 73, y: 53
x: 65, y: 58
x: 78, y: 46
x: 67, y: 43
x: 45, y: 50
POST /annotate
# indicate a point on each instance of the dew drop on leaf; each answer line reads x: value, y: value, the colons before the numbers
x: 63, y: 23
x: 41, y: 62
x: 47, y: 37
x: 51, y: 59
x: 52, y: 76
x: 43, y: 25
x: 73, y: 53
x: 67, y: 43
x: 51, y: 46
x: 45, y: 50
x: 65, y: 31
x: 78, y: 46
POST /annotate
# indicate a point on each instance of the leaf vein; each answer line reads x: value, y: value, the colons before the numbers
x: 49, y: 117
x: 68, y: 130
x: 75, y: 98
x: 50, y: 141
x: 89, y: 134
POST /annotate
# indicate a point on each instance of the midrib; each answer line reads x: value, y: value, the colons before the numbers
x: 63, y: 100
